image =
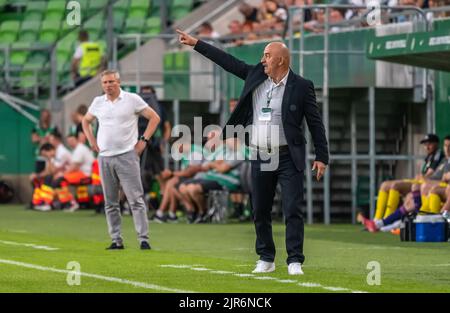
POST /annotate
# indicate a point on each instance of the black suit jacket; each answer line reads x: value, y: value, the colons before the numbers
x: 299, y: 101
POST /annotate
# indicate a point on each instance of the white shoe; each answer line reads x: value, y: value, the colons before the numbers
x: 295, y: 269
x: 74, y: 206
x: 43, y: 207
x: 264, y: 267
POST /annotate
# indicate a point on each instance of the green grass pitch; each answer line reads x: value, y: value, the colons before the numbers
x: 35, y: 248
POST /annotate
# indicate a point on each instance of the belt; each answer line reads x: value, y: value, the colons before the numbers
x: 280, y: 149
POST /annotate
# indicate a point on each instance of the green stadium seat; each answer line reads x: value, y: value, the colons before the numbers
x: 139, y: 8
x: 96, y: 6
x: 156, y: 8
x: 134, y: 26
x: 19, y: 53
x: 62, y: 58
x: 140, y: 4
x: 153, y: 25
x: 28, y: 79
x: 37, y: 6
x: 119, y: 20
x: 33, y: 16
x: 180, y: 8
x: 182, y: 3
x: 56, y: 6
x: 29, y: 31
x: 55, y: 15
x: 68, y: 42
x: 9, y: 31
x: 137, y: 14
x: 66, y: 28
x: 55, y: 9
x: 179, y: 12
x: 95, y: 26
x: 121, y: 6
x: 37, y: 60
x: 49, y: 31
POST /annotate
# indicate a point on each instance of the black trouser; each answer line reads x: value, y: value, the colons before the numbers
x: 263, y: 192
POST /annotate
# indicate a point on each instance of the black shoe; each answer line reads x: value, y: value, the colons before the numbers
x: 172, y: 219
x: 157, y: 219
x: 191, y: 218
x: 115, y: 246
x: 145, y: 245
x: 201, y: 219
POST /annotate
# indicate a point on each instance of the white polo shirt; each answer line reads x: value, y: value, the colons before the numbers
x: 83, y: 156
x: 118, y: 122
x: 62, y: 156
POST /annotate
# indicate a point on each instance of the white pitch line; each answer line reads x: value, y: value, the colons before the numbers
x: 29, y: 245
x: 199, y: 269
x: 100, y: 277
x: 301, y: 284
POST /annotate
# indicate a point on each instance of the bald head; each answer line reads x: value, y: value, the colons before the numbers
x: 280, y: 50
x: 276, y: 59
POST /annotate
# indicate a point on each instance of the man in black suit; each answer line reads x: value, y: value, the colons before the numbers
x: 274, y: 98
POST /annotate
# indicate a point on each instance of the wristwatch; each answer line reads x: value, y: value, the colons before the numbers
x: 144, y: 139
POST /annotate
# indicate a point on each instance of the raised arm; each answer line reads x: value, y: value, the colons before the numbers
x: 228, y: 62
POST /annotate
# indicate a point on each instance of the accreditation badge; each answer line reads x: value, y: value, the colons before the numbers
x: 265, y: 115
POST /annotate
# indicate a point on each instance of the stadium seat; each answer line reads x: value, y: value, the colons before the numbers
x: 84, y: 6
x: 57, y: 16
x: 28, y: 79
x: 9, y: 31
x: 134, y: 25
x: 19, y: 53
x: 29, y: 31
x: 49, y: 31
x: 95, y: 27
x: 121, y: 6
x: 37, y: 60
x: 137, y: 14
x: 96, y: 6
x: 55, y: 10
x: 33, y: 16
x: 36, y: 6
x: 119, y: 20
x: 180, y: 8
x: 139, y: 8
x: 178, y: 13
x: 182, y: 3
x: 153, y: 26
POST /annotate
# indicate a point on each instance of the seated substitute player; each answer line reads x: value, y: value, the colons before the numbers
x: 391, y: 191
x: 425, y: 198
x: 218, y: 173
x: 191, y: 160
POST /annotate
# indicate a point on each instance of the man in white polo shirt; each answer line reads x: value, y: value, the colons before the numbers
x: 117, y: 143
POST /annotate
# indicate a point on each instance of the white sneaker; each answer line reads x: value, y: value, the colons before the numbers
x: 43, y: 207
x: 295, y: 269
x: 74, y: 206
x: 264, y: 267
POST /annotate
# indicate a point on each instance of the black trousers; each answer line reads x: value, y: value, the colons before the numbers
x: 263, y: 192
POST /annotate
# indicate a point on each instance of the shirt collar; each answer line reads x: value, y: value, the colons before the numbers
x: 118, y: 98
x: 282, y: 82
